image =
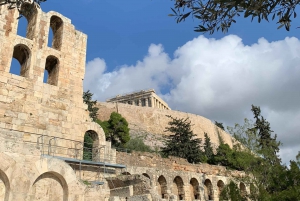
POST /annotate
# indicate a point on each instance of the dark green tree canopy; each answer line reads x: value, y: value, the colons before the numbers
x: 220, y: 14
x: 182, y: 142
x: 220, y: 125
x: 87, y: 99
x: 116, y: 129
x: 208, y: 149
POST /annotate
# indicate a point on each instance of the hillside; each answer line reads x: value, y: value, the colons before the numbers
x: 151, y: 122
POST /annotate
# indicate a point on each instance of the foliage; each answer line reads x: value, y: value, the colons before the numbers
x: 208, y: 150
x: 116, y: 129
x: 12, y: 4
x: 220, y: 14
x: 137, y: 144
x: 88, y: 147
x: 220, y: 125
x: 87, y: 99
x: 231, y: 192
x: 182, y: 142
x: 245, y: 135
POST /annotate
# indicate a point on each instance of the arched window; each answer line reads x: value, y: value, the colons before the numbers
x: 220, y: 185
x: 52, y: 68
x: 146, y: 175
x: 27, y: 23
x: 20, y: 66
x: 49, y: 186
x: 56, y: 26
x: 243, y: 189
x: 162, y: 186
x: 178, y: 188
x: 208, y: 190
x: 194, y: 189
x: 4, y: 186
x: 91, y: 149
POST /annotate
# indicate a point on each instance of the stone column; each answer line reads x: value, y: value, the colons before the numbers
x: 140, y: 102
x: 146, y: 102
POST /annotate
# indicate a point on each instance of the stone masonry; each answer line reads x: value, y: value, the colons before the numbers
x: 50, y: 113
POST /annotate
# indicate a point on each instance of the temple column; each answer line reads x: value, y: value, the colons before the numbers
x: 140, y: 102
x: 146, y: 102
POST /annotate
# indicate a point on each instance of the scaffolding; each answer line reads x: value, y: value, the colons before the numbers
x: 92, y: 170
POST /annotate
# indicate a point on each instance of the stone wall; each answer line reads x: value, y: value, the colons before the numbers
x: 151, y: 122
x: 29, y: 105
x: 26, y: 176
x: 174, y: 178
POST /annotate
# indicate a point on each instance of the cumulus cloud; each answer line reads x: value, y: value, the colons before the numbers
x: 217, y: 79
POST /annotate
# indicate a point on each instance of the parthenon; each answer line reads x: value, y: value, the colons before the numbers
x: 144, y: 98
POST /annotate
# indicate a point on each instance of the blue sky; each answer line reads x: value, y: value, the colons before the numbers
x: 135, y: 45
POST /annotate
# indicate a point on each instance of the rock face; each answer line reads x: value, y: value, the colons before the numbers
x: 151, y: 122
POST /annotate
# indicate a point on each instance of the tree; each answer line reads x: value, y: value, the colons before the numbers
x: 208, y: 150
x: 245, y: 135
x: 12, y: 4
x: 87, y: 99
x: 231, y: 192
x: 220, y: 125
x: 182, y: 142
x: 118, y: 131
x: 216, y: 14
x: 137, y: 144
x: 268, y: 146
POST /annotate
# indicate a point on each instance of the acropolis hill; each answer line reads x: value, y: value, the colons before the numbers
x: 151, y: 122
x: 43, y: 125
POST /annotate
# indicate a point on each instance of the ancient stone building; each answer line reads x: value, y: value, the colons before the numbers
x: 142, y: 98
x: 43, y: 125
x: 44, y: 119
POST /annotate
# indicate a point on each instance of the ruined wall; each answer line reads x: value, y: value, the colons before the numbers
x: 29, y: 105
x: 152, y: 122
x: 26, y: 176
x: 176, y: 179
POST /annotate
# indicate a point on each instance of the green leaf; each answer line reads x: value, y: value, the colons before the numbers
x: 280, y: 26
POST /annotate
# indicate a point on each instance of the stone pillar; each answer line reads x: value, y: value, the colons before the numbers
x: 140, y: 102
x: 146, y: 102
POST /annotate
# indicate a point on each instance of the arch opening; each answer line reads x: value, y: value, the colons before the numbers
x: 146, y: 175
x: 243, y: 189
x: 56, y: 26
x: 49, y: 186
x: 21, y: 61
x: 162, y: 187
x: 91, y: 149
x: 51, y: 70
x: 178, y: 188
x: 220, y: 185
x: 194, y: 189
x: 208, y: 189
x: 126, y: 173
x: 27, y: 23
x: 4, y: 186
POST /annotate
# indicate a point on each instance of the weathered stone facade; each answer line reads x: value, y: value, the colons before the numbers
x: 42, y: 127
x: 176, y: 179
x: 52, y: 114
x: 142, y: 98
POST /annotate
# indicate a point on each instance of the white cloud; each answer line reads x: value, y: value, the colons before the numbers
x: 218, y: 79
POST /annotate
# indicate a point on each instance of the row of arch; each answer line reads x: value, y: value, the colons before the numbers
x: 177, y: 188
x: 47, y: 186
x: 30, y: 13
x: 22, y: 55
